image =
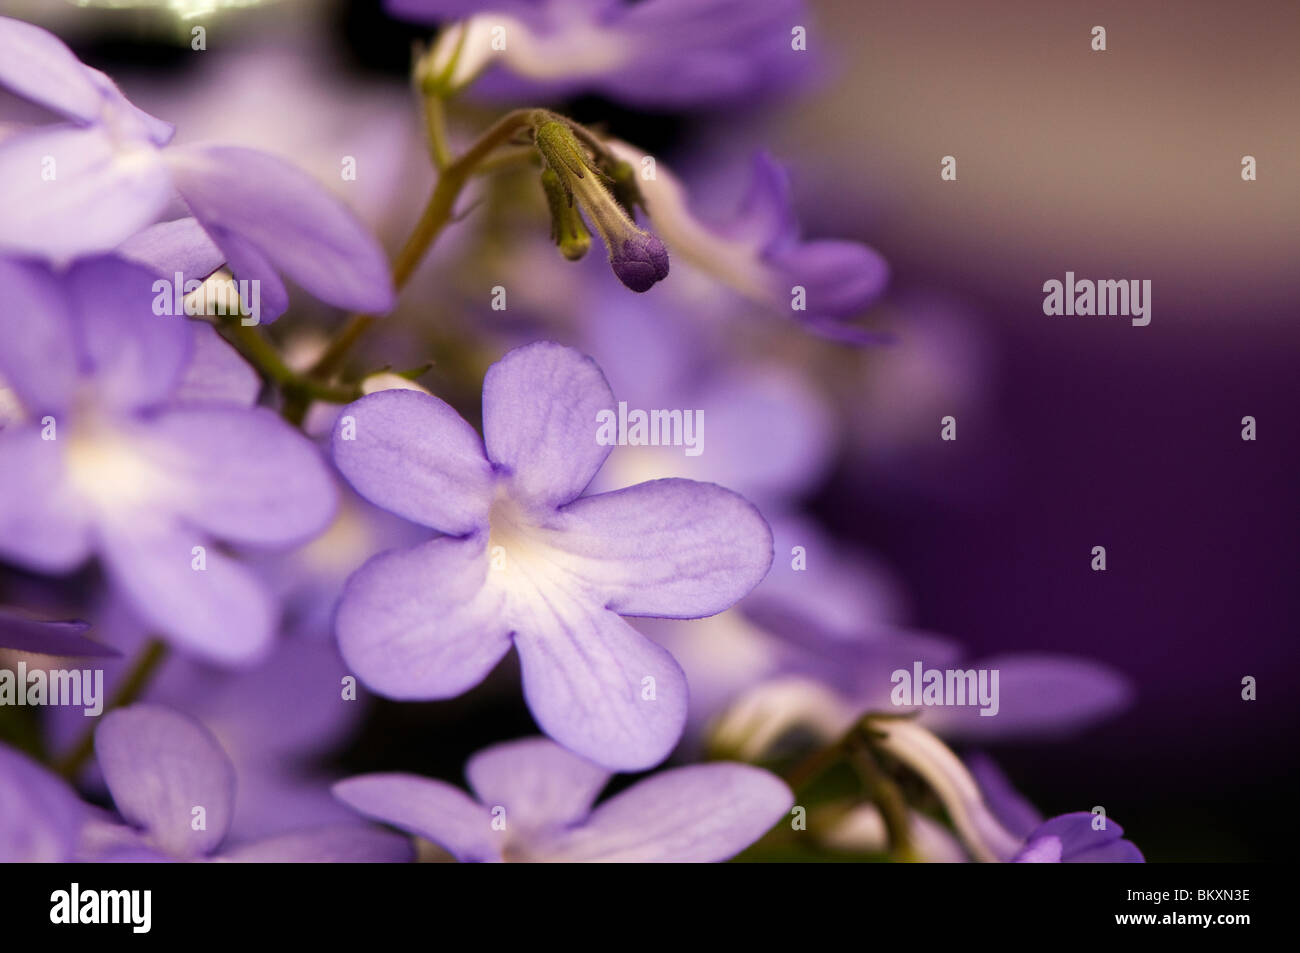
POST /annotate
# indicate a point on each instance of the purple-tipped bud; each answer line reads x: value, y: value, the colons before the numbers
x: 640, y: 261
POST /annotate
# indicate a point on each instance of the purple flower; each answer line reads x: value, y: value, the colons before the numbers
x: 124, y: 453
x: 760, y: 255
x: 272, y: 720
x: 175, y: 788
x: 527, y: 560
x: 767, y: 433
x: 81, y: 186
x: 1076, y: 839
x: 533, y: 803
x: 24, y: 634
x: 40, y: 816
x: 661, y: 53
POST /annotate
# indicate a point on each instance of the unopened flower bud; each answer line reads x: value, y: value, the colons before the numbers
x: 638, y: 258
x: 568, y: 230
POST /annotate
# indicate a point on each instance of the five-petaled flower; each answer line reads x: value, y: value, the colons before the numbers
x: 533, y: 803
x: 84, y: 185
x: 526, y: 559
x: 138, y: 442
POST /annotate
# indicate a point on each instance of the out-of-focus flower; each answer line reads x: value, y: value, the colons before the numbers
x: 115, y: 457
x: 764, y: 430
x: 527, y: 561
x: 271, y: 719
x: 82, y: 186
x: 163, y: 768
x: 40, y: 815
x: 760, y: 254
x: 533, y: 803
x: 1077, y: 839
x: 661, y: 53
x: 55, y: 637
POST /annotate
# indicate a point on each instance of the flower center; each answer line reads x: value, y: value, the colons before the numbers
x: 106, y: 467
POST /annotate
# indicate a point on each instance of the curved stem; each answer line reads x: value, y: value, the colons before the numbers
x: 437, y: 214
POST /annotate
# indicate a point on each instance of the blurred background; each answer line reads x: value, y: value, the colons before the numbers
x: 1073, y: 432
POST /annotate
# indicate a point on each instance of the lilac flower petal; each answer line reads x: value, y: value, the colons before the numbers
x: 430, y: 809
x: 413, y: 455
x: 422, y: 622
x: 105, y: 839
x: 62, y: 637
x: 127, y: 120
x: 290, y: 218
x: 540, y: 407
x: 669, y: 548
x: 216, y: 373
x: 98, y: 194
x: 39, y: 359
x: 43, y: 525
x: 338, y: 844
x: 243, y: 475
x: 699, y: 814
x: 136, y: 356
x: 248, y: 263
x: 159, y: 766
x: 766, y: 216
x: 1116, y: 852
x: 1039, y: 696
x: 221, y: 612
x: 37, y: 66
x: 596, y: 685
x: 842, y: 279
x: 40, y: 815
x: 1077, y: 840
x: 180, y: 245
x: 536, y: 781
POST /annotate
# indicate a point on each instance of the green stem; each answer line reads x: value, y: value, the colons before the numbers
x: 132, y: 687
x: 436, y: 216
x: 259, y: 352
x: 435, y: 118
x: 888, y: 798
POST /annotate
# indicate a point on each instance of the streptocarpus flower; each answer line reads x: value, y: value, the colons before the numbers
x: 81, y: 186
x: 759, y: 254
x: 1078, y: 839
x: 527, y: 560
x: 660, y: 53
x: 124, y: 454
x: 533, y: 803
x: 175, y: 788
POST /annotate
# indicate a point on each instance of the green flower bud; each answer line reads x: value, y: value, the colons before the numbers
x: 568, y: 230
